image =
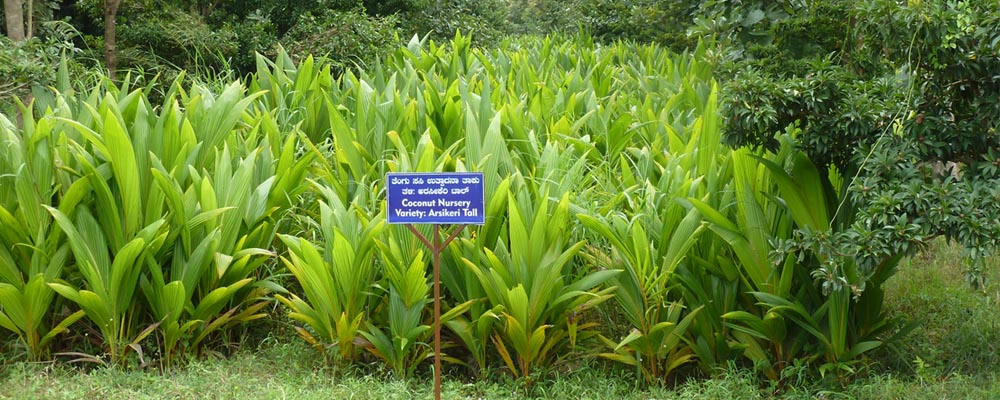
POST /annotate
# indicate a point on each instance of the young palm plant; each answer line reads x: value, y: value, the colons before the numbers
x: 338, y: 281
x: 530, y: 276
x: 657, y: 342
x: 788, y: 316
x: 109, y: 248
x: 33, y: 251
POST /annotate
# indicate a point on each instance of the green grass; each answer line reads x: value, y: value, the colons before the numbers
x: 290, y: 371
x: 951, y: 355
x: 959, y: 326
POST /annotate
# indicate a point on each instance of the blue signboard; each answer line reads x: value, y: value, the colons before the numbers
x: 435, y: 198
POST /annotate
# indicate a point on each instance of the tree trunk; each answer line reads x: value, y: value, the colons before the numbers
x: 31, y: 20
x: 110, y: 49
x: 15, y: 19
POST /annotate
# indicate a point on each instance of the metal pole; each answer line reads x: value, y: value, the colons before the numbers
x: 436, y: 246
x: 437, y: 313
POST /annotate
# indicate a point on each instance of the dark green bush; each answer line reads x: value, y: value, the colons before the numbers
x: 542, y: 17
x: 903, y: 98
x: 178, y: 38
x: 485, y: 20
x: 836, y: 109
x: 663, y: 22
x: 33, y: 62
x: 389, y: 7
x: 347, y: 38
x: 22, y: 65
x: 254, y: 34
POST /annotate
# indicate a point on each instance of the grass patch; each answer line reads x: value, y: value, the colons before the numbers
x: 284, y: 372
x: 290, y: 370
x: 959, y: 329
x: 888, y: 386
x: 952, y: 354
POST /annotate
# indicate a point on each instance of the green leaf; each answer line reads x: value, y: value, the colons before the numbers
x: 126, y: 172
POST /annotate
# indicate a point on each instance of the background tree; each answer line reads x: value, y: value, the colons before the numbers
x: 14, y: 17
x: 110, y: 35
x: 901, y: 98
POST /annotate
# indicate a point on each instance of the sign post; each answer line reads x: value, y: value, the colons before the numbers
x: 438, y: 198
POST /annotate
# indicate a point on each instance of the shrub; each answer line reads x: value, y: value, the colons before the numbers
x: 662, y: 22
x: 349, y: 39
x: 484, y: 20
x: 33, y: 62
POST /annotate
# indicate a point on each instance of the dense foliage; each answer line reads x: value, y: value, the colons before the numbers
x: 751, y: 220
x: 223, y: 35
x: 902, y: 98
x: 26, y: 66
x: 608, y: 189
